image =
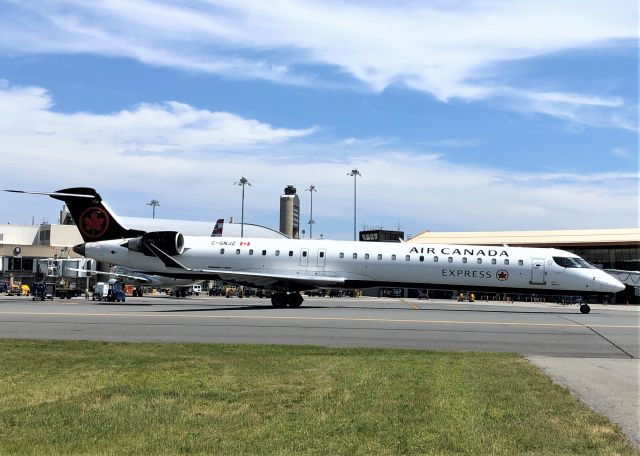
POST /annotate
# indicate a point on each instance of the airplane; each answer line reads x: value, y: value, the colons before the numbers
x: 179, y: 287
x: 289, y: 266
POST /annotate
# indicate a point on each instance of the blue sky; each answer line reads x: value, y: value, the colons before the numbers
x: 481, y: 115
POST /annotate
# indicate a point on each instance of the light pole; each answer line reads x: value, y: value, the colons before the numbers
x: 311, y: 189
x: 243, y: 181
x: 154, y: 204
x: 355, y: 173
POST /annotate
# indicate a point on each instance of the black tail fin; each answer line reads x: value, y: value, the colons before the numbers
x: 94, y: 221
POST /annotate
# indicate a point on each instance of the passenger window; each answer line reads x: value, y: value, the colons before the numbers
x: 493, y: 261
x: 421, y: 258
x: 250, y: 251
x: 304, y: 254
x: 464, y: 259
x: 450, y: 259
x: 277, y: 252
x: 506, y: 261
x: 237, y: 251
x: 408, y: 258
x: 221, y: 251
x: 393, y: 257
x: 520, y: 263
x: 341, y: 255
x: 264, y: 252
x: 479, y: 260
x: 355, y: 256
x: 379, y: 256
x: 290, y: 252
x: 366, y: 256
x: 435, y: 259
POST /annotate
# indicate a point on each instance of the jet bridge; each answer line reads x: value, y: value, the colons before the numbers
x: 629, y: 278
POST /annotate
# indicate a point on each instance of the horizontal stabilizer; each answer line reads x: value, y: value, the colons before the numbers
x: 53, y: 194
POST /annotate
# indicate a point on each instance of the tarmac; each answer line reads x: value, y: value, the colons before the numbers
x: 594, y: 355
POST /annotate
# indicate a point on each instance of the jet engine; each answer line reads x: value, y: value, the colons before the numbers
x: 170, y: 242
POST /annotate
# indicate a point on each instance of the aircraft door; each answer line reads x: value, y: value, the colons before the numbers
x: 537, y: 272
x: 322, y: 254
x: 304, y: 257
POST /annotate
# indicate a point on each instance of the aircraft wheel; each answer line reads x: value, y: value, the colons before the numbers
x: 294, y: 300
x: 585, y: 309
x: 279, y: 300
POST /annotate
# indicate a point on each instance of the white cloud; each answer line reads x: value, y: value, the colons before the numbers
x: 450, y: 50
x: 623, y: 152
x: 188, y: 159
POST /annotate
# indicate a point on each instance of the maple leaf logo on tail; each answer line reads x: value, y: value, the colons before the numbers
x: 93, y: 222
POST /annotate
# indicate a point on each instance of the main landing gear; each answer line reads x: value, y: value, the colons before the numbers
x: 584, y: 308
x: 280, y: 300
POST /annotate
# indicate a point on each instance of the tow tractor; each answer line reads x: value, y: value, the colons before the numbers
x: 111, y: 291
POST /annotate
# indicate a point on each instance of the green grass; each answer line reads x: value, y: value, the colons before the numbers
x: 117, y: 398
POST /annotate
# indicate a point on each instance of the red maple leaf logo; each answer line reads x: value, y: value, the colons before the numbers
x: 502, y: 275
x: 93, y: 223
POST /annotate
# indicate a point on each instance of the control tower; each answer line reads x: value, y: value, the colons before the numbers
x: 290, y: 212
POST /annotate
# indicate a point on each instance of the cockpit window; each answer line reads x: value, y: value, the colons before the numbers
x: 572, y: 262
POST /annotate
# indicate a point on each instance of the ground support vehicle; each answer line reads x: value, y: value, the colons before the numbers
x: 133, y: 290
x: 43, y: 290
x: 67, y: 292
x: 264, y: 293
x: 18, y: 290
x: 111, y: 291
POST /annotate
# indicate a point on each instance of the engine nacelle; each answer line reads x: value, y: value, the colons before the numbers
x: 170, y: 242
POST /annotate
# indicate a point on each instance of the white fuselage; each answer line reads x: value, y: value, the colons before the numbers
x: 370, y: 264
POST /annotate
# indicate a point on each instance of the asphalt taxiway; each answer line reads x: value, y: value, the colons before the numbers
x: 530, y: 329
x: 594, y: 355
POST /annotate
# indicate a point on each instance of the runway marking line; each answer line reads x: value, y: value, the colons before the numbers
x: 265, y: 317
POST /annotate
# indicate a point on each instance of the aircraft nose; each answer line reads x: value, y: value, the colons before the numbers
x: 613, y: 284
x: 79, y: 249
x: 617, y: 285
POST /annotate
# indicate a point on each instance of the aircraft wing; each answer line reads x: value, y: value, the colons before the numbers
x: 126, y: 276
x: 255, y: 279
x: 260, y: 279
